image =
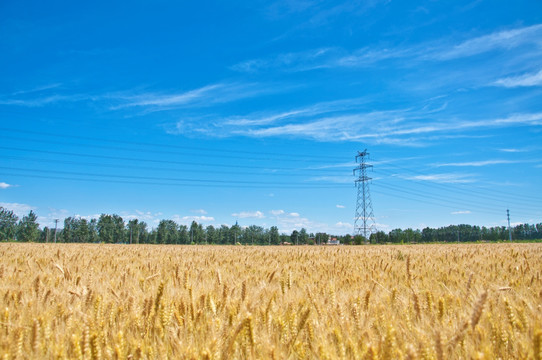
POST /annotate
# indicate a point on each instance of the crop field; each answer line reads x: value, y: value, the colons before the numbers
x: 239, y: 302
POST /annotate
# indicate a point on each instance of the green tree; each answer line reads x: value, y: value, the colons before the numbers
x: 183, y: 236
x: 28, y: 228
x: 234, y: 233
x: 119, y: 229
x: 321, y: 238
x: 274, y: 235
x: 303, y: 236
x: 211, y: 235
x: 294, y: 237
x: 136, y: 230
x: 167, y: 232
x: 106, y: 229
x: 8, y: 224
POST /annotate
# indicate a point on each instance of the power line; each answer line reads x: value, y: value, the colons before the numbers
x: 138, y: 143
x: 300, y: 187
x: 199, y: 154
x: 188, y: 180
x: 110, y: 157
x: 474, y: 197
x: 122, y: 166
x: 417, y: 197
x: 500, y: 195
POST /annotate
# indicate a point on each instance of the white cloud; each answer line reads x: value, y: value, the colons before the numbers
x: 442, y: 178
x: 294, y: 214
x: 184, y: 98
x: 249, y: 214
x: 90, y: 217
x: 146, y: 216
x: 300, y: 61
x: 18, y: 209
x: 513, y: 150
x: 521, y: 81
x: 199, y: 211
x: 404, y: 127
x: 340, y: 206
x: 4, y: 185
x: 482, y: 163
x: 460, y: 212
x: 341, y: 224
x: 202, y: 218
x: 443, y: 49
x: 277, y: 212
x: 507, y: 39
x: 201, y: 97
x: 333, y: 179
x: 45, y: 100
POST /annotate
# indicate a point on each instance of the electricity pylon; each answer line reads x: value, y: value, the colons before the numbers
x: 364, y: 223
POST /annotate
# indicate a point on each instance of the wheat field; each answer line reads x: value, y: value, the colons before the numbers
x: 73, y: 301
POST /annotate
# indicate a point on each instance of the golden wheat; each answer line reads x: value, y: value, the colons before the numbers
x: 87, y: 301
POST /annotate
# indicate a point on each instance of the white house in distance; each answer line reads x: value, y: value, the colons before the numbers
x: 334, y: 241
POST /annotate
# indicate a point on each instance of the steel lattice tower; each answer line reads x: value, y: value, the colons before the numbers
x: 364, y: 223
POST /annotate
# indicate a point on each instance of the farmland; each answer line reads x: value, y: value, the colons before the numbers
x: 88, y: 301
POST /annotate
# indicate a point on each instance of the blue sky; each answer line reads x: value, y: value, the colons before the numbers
x: 254, y: 111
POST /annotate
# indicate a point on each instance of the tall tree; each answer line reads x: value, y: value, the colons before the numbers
x: 167, y: 232
x: 28, y: 229
x: 119, y: 229
x: 106, y: 229
x: 303, y: 236
x: 274, y: 235
x: 8, y: 224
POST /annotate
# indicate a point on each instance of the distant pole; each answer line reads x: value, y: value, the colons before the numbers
x: 130, y: 235
x: 56, y: 225
x: 509, y: 230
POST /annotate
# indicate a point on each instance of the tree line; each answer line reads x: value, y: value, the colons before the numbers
x: 114, y: 229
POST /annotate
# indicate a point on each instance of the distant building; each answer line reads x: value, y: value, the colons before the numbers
x: 334, y: 241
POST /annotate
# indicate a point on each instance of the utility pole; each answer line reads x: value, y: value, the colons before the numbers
x: 56, y: 225
x: 364, y: 223
x: 509, y: 230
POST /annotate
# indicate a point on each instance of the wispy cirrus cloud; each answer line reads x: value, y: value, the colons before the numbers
x: 481, y: 163
x: 200, y: 97
x: 349, y: 120
x: 400, y: 127
x: 442, y: 50
x: 461, y: 212
x: 506, y: 39
x: 144, y: 100
x: 40, y: 101
x: 533, y: 79
x: 450, y: 178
